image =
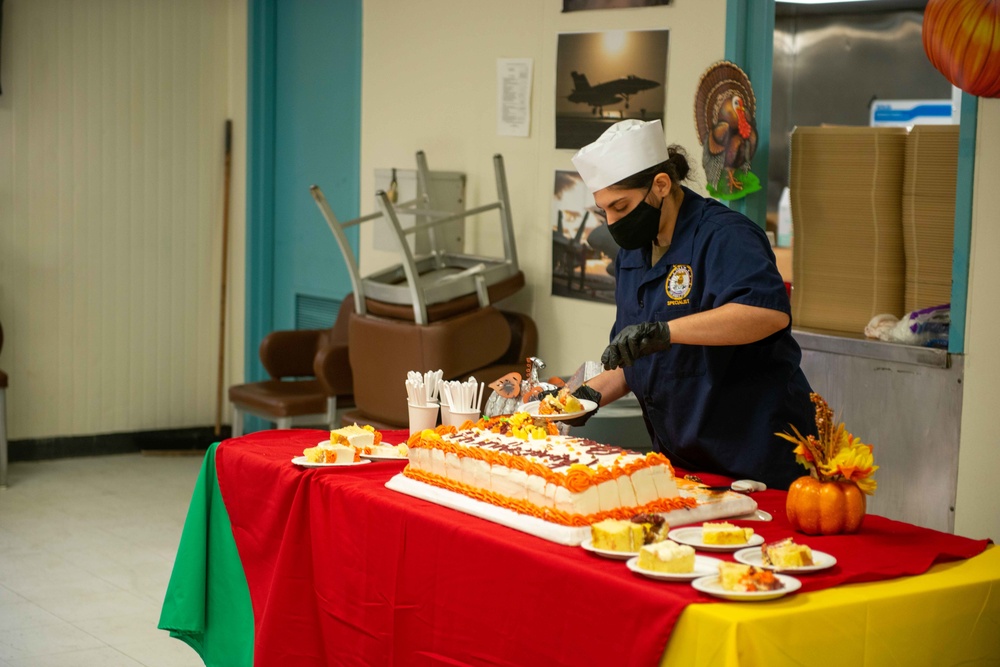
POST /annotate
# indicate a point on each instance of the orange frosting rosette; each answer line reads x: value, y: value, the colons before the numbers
x: 578, y: 478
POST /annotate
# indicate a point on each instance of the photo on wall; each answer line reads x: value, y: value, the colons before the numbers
x: 583, y: 252
x: 605, y: 77
x: 578, y: 5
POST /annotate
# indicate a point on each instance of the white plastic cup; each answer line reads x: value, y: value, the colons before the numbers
x: 459, y: 417
x: 445, y: 414
x: 422, y: 417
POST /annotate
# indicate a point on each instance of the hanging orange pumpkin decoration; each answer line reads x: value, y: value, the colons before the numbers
x: 962, y: 41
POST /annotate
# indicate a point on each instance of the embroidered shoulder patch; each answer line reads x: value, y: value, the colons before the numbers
x: 679, y: 282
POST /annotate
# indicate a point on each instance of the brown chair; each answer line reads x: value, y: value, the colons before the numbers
x: 3, y: 421
x: 486, y: 343
x: 310, y: 372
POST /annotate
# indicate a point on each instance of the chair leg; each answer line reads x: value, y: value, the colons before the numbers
x: 237, y: 421
x: 331, y: 412
x: 3, y: 437
x: 284, y: 422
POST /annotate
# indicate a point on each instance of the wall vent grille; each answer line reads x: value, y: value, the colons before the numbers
x: 315, y: 312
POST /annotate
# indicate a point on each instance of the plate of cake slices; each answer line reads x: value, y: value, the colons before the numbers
x: 756, y: 586
x: 306, y: 463
x: 532, y: 408
x: 703, y: 566
x: 588, y: 545
x: 785, y: 556
x: 716, y: 537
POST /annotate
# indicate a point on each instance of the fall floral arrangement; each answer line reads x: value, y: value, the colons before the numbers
x: 835, y: 455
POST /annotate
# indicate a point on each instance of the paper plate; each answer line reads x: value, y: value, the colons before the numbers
x: 712, y: 586
x: 703, y: 566
x: 753, y: 556
x: 532, y: 410
x: 301, y: 461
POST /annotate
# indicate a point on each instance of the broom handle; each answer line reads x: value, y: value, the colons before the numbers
x: 225, y: 276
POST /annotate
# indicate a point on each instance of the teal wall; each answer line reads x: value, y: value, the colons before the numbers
x: 304, y: 128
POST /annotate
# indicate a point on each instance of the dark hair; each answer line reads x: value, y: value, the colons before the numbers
x: 676, y: 167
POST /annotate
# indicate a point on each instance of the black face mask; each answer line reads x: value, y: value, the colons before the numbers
x: 638, y: 227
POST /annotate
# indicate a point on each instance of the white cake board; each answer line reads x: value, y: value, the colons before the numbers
x: 710, y: 506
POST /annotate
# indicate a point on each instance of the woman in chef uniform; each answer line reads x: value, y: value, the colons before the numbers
x: 702, y: 334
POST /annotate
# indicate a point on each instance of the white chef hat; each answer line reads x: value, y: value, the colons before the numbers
x: 625, y: 148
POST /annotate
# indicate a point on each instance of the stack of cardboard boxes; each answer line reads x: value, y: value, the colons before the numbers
x: 929, y: 180
x: 873, y: 210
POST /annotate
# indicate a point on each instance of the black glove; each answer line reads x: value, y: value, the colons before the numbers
x: 634, y: 341
x: 583, y: 392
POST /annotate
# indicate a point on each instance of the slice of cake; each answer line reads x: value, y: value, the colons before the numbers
x: 617, y: 535
x: 330, y: 453
x: 666, y: 556
x: 723, y: 532
x: 628, y: 536
x: 747, y: 578
x: 654, y: 527
x: 355, y: 436
x: 561, y: 403
x: 786, y: 553
x: 390, y: 451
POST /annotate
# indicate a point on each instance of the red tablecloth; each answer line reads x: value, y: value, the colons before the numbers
x: 343, y: 571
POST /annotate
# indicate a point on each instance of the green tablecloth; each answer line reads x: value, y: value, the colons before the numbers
x: 207, y: 604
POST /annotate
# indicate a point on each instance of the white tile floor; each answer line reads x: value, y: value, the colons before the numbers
x: 86, y: 549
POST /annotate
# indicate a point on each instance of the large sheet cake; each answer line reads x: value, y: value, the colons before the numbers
x: 529, y: 477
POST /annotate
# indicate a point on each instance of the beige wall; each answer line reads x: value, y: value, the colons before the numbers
x: 429, y: 82
x: 977, y: 510
x: 111, y: 152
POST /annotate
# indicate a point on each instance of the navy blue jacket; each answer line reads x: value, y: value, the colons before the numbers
x: 715, y: 408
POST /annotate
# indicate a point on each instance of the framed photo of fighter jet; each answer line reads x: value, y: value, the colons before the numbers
x: 583, y: 252
x: 605, y: 77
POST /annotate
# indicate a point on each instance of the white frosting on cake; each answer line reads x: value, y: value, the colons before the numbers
x: 385, y: 450
x: 343, y: 453
x: 650, y: 480
x: 626, y: 493
x: 355, y: 435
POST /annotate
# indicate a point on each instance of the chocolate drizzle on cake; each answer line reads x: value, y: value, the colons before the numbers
x: 581, y: 451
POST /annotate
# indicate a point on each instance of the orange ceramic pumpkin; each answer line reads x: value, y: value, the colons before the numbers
x: 960, y: 41
x: 825, y: 508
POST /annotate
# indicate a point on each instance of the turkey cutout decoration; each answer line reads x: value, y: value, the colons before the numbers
x: 724, y: 116
x: 511, y: 391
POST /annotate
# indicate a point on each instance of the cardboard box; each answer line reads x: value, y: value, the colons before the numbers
x: 846, y: 191
x: 930, y: 173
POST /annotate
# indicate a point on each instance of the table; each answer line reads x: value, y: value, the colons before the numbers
x: 315, y: 567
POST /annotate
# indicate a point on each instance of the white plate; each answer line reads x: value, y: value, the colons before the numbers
x: 753, y: 556
x: 703, y: 565
x: 588, y: 545
x: 378, y: 457
x: 532, y: 410
x: 301, y: 461
x: 712, y: 586
x: 691, y: 536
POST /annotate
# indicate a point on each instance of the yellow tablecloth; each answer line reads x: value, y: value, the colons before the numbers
x: 879, y: 623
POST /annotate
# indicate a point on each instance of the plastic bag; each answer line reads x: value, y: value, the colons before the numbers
x: 927, y: 327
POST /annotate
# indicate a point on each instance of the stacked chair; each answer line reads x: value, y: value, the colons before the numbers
x: 309, y: 373
x: 433, y: 310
